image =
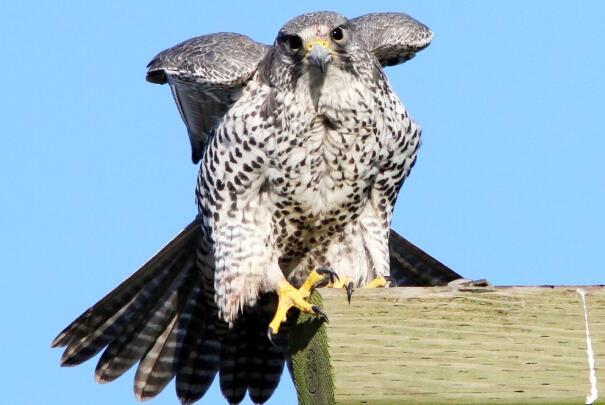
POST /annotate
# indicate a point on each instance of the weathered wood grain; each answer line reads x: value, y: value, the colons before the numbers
x: 516, y: 345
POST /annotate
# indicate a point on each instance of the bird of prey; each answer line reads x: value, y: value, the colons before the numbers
x: 303, y: 147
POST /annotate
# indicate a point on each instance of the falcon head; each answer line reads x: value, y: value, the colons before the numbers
x: 316, y: 41
x: 324, y: 40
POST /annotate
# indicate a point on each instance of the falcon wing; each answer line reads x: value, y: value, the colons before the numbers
x: 393, y: 38
x: 206, y: 75
x: 411, y: 266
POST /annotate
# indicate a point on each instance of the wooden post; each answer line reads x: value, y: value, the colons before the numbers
x: 414, y: 345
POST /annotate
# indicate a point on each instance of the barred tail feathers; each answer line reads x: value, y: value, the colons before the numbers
x: 164, y: 317
x: 161, y: 317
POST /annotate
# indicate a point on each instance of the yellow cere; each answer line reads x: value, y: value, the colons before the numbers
x: 325, y: 44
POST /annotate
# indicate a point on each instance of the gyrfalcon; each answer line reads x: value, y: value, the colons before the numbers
x: 303, y: 147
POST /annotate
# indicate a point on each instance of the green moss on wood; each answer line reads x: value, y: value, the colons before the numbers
x: 310, y: 359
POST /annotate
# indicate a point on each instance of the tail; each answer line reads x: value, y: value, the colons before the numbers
x: 164, y: 318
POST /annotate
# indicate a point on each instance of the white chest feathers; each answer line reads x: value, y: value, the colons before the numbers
x: 330, y: 141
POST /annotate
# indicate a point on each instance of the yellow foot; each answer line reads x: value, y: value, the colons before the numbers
x: 326, y: 277
x: 290, y: 297
x: 321, y: 277
x: 378, y: 282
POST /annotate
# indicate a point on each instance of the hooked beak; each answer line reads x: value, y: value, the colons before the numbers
x: 318, y: 54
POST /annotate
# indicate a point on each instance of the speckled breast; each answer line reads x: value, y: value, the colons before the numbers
x: 322, y: 174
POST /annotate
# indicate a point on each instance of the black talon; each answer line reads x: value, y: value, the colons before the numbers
x: 270, y: 336
x: 320, y: 313
x: 321, y: 283
x: 349, y: 288
x: 326, y: 270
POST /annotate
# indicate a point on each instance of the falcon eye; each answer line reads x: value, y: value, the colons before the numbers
x: 337, y: 34
x: 294, y: 42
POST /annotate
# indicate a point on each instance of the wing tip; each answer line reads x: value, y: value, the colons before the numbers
x: 58, y: 341
x: 196, y: 152
x: 425, y: 39
x: 156, y: 76
x: 63, y: 338
x: 69, y: 359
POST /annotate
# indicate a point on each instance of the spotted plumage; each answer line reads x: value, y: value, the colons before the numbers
x: 304, y: 168
x: 303, y: 148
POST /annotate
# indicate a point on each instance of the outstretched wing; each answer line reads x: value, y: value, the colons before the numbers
x: 392, y: 37
x: 206, y: 75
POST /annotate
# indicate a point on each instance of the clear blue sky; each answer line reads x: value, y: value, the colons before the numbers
x: 96, y: 176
